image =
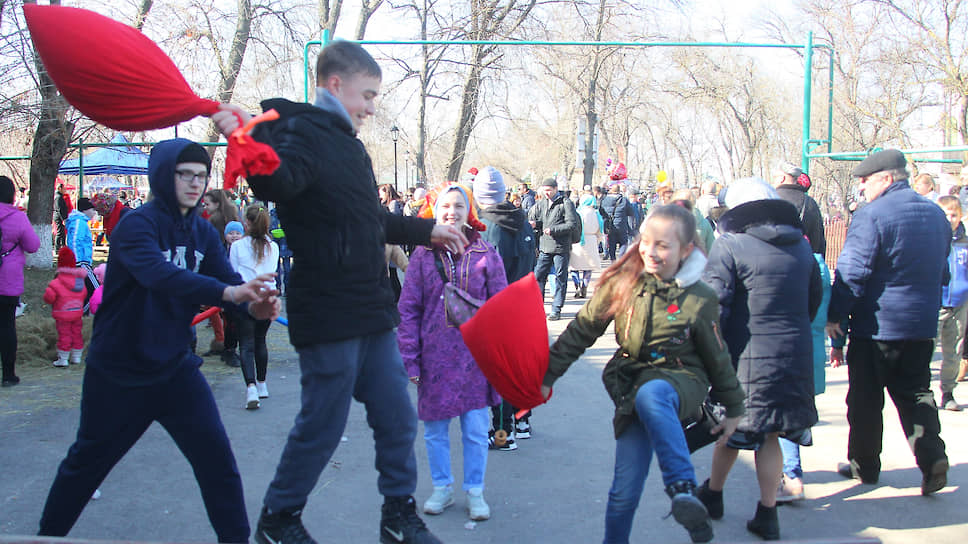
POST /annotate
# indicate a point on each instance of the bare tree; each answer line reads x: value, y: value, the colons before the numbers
x: 230, y: 63
x: 143, y: 9
x: 329, y: 14
x: 488, y: 19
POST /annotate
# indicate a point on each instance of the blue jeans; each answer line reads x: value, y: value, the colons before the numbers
x: 473, y: 427
x: 791, y: 458
x: 366, y: 368
x: 659, y: 430
x: 544, y: 267
x: 618, y: 241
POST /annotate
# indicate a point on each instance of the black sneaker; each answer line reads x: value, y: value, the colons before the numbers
x: 508, y: 444
x: 936, y: 478
x: 712, y: 500
x: 400, y: 523
x: 852, y: 471
x: 522, y: 429
x: 689, y: 511
x: 10, y: 381
x: 281, y: 528
x: 231, y: 358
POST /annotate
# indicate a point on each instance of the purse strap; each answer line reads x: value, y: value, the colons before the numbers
x: 439, y: 263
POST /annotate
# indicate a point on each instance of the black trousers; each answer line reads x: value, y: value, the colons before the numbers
x: 8, y: 335
x: 903, y: 367
x: 252, y: 347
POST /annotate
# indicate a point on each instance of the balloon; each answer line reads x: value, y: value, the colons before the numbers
x: 661, y: 176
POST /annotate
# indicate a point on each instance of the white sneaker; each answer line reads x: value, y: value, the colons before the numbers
x: 96, y: 495
x: 62, y: 358
x: 477, y: 509
x: 522, y: 430
x: 20, y: 309
x: 262, y: 389
x: 441, y: 498
x: 251, y: 398
x: 76, y: 356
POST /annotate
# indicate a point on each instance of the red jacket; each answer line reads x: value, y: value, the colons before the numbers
x: 66, y: 293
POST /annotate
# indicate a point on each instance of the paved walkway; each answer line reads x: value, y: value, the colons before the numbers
x: 551, y: 490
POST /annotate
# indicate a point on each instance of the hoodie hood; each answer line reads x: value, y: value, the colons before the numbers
x: 161, y: 175
x: 774, y: 221
x: 505, y: 215
x: 327, y: 102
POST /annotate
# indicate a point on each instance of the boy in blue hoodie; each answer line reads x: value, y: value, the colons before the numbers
x: 951, y: 318
x: 165, y: 261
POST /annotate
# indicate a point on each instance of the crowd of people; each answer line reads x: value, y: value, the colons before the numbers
x: 717, y: 296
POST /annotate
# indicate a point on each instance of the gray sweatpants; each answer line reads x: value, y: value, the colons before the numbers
x: 368, y: 369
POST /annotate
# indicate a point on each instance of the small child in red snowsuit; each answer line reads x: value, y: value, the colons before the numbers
x: 66, y: 294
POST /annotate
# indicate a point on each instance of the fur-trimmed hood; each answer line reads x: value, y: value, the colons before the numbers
x: 773, y: 221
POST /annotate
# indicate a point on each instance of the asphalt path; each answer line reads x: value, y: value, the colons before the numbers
x: 552, y: 489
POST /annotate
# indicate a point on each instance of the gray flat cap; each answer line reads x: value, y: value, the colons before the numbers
x: 889, y: 159
x: 550, y: 182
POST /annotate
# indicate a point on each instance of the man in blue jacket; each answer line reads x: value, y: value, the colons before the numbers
x: 888, y: 281
x: 165, y: 261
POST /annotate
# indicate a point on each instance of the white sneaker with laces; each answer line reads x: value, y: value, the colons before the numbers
x: 251, y: 398
x: 477, y: 508
x: 262, y: 389
x: 441, y: 498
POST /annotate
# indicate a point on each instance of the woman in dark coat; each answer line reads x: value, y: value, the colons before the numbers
x: 769, y: 290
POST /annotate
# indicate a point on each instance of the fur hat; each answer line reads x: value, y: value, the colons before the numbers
x: 489, y: 187
x: 65, y: 258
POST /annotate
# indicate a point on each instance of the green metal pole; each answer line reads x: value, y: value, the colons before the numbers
x: 807, y: 84
x: 80, y: 168
x: 830, y: 106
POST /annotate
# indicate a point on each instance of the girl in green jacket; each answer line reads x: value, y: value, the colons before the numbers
x: 670, y: 352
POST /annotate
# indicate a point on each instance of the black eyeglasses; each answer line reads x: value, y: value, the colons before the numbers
x: 187, y: 176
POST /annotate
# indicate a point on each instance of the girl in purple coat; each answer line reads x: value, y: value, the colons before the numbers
x: 449, y: 383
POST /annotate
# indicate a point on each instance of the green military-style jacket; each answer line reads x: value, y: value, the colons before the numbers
x: 669, y: 331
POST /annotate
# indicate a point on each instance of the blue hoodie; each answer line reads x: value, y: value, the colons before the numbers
x: 955, y: 292
x: 162, y: 266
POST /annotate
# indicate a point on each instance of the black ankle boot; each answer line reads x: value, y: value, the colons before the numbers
x: 765, y: 524
x: 712, y: 499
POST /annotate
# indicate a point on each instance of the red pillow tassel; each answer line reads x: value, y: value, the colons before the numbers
x: 246, y: 157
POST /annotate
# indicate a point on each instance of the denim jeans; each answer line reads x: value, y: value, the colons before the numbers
x: 791, y: 458
x: 558, y: 263
x: 473, y: 426
x: 659, y: 430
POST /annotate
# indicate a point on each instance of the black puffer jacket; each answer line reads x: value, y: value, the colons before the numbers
x: 769, y: 290
x: 335, y: 225
x: 809, y: 212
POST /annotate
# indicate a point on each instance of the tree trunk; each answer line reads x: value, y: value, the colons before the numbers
x: 230, y: 69
x: 466, y: 119
x: 421, y: 158
x: 143, y: 9
x: 367, y: 9
x: 589, y: 162
x: 329, y: 15
x: 50, y: 145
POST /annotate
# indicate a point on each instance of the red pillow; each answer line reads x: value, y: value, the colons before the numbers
x: 111, y: 72
x: 508, y: 337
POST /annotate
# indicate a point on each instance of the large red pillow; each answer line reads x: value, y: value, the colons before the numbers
x: 111, y: 72
x: 508, y: 337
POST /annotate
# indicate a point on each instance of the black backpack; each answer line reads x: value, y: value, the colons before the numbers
x: 576, y: 230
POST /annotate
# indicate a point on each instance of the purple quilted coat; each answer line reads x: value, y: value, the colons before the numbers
x: 450, y: 381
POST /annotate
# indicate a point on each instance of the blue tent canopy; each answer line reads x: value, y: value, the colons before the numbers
x: 119, y: 159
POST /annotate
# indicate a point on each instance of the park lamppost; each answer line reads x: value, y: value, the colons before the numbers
x: 395, y: 135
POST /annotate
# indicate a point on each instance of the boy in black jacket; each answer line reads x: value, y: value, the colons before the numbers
x: 341, y: 309
x: 165, y: 261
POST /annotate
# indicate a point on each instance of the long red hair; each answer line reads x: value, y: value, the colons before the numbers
x: 617, y: 280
